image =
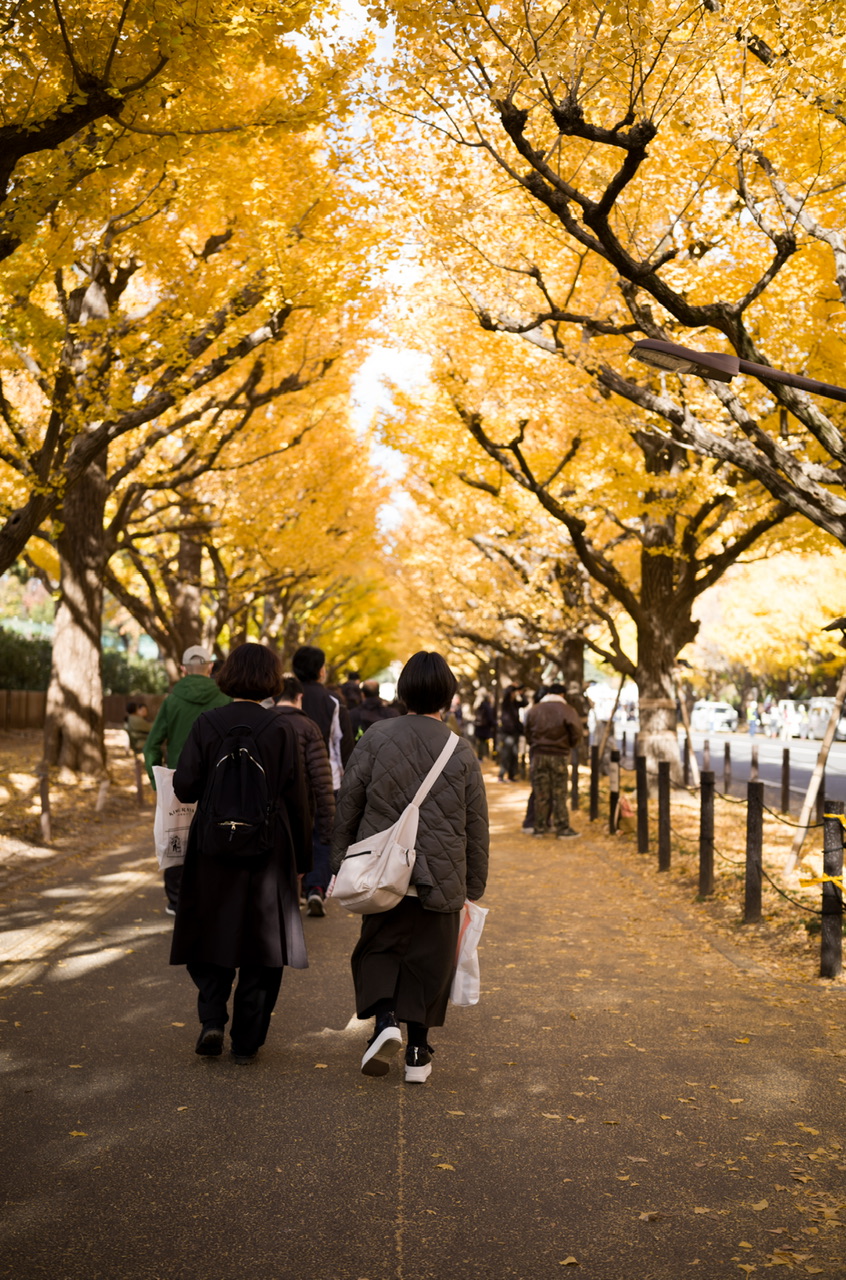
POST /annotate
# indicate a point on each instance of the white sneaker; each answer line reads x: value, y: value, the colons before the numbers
x: 381, y: 1048
x: 418, y: 1063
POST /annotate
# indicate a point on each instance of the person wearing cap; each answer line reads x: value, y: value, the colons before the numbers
x: 195, y: 693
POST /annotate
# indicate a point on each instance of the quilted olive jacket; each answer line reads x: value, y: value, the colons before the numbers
x: 383, y: 773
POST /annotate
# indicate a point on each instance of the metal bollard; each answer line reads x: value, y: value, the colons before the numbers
x: 664, y: 832
x: 706, y: 834
x: 831, y: 942
x: 594, y: 782
x: 642, y: 783
x: 614, y: 791
x: 785, y: 780
x: 754, y: 850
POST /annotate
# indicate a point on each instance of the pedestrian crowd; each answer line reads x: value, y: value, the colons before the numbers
x: 287, y: 772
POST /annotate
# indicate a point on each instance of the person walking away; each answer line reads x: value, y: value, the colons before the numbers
x: 137, y: 725
x: 553, y: 728
x: 404, y: 960
x: 238, y: 912
x: 317, y: 767
x: 351, y: 689
x: 371, y: 710
x: 510, y: 728
x: 195, y: 693
x: 484, y: 723
x: 309, y: 664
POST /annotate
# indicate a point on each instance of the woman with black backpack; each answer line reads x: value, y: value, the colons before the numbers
x: 238, y: 908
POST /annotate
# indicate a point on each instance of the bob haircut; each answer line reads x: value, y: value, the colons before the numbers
x: 426, y: 683
x: 251, y: 671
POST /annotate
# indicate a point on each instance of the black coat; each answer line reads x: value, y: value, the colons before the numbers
x: 234, y: 911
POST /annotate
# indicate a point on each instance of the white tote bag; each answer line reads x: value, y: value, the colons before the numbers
x: 466, y: 983
x: 172, y: 822
x: 376, y: 872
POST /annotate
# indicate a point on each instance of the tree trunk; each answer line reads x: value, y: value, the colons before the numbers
x: 73, y: 731
x: 573, y: 661
x: 186, y: 593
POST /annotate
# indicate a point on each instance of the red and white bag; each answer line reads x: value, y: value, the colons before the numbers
x: 466, y: 983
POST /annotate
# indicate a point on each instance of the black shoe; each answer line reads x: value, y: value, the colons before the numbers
x: 566, y: 834
x: 382, y: 1046
x: 315, y: 905
x: 210, y: 1043
x: 243, y: 1059
x: 418, y: 1063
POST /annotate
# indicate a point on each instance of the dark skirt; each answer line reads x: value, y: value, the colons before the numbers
x: 407, y: 954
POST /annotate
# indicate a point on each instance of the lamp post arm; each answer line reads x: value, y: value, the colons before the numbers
x: 766, y: 373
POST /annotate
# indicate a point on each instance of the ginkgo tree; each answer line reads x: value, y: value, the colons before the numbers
x: 689, y: 156
x: 92, y: 86
x: 151, y: 330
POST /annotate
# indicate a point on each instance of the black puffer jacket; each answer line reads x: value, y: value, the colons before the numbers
x: 317, y: 767
x: 385, y: 770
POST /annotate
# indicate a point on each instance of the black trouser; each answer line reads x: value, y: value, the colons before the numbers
x: 172, y: 881
x: 255, y: 997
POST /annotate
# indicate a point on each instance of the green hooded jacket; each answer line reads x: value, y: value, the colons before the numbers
x: 189, y: 698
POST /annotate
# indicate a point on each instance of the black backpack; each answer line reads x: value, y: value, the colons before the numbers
x: 235, y: 815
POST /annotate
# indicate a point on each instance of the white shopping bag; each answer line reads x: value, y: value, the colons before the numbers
x: 172, y: 822
x: 466, y: 983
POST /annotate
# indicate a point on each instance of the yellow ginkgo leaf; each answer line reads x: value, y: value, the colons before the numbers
x: 762, y: 1204
x: 447, y: 1166
x: 569, y: 1262
x: 77, y: 1133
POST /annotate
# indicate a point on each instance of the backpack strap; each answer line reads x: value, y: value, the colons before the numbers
x: 436, y: 769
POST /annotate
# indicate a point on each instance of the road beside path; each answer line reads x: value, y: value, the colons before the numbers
x: 631, y: 1099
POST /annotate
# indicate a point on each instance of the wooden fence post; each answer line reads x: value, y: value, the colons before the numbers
x: 821, y: 809
x: 664, y: 830
x: 642, y: 783
x: 686, y: 761
x: 727, y: 769
x: 594, y: 782
x: 706, y: 833
x: 139, y: 780
x: 785, y: 780
x: 754, y: 850
x: 614, y: 791
x: 831, y: 941
x: 706, y: 753
x: 43, y: 774
x: 623, y: 746
x: 753, y: 768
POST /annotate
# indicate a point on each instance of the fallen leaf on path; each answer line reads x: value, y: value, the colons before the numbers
x: 321, y: 1066
x: 651, y: 1215
x: 569, y: 1262
x: 762, y: 1204
x: 701, y: 1210
x: 745, y: 1040
x: 551, y: 1115
x: 77, y: 1133
x: 455, y: 1113
x: 447, y: 1166
x: 181, y: 1108
x: 177, y: 1024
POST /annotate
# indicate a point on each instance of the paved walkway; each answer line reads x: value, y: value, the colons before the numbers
x: 626, y: 1102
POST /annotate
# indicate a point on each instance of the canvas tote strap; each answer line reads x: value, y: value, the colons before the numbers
x: 436, y: 769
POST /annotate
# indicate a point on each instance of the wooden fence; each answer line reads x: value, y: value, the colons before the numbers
x: 27, y: 708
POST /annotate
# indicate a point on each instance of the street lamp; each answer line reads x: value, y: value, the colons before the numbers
x: 722, y: 368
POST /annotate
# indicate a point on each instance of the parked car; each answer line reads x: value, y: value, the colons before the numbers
x: 819, y: 714
x: 713, y: 717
